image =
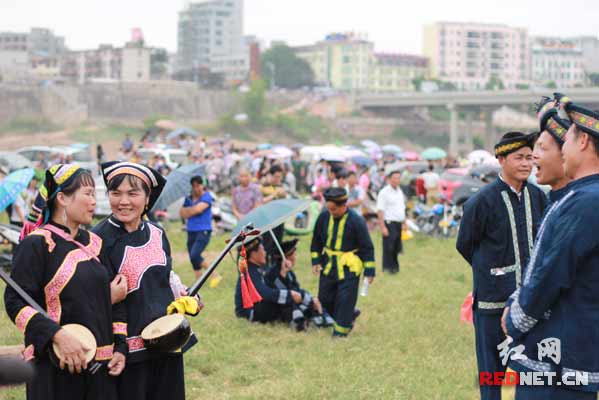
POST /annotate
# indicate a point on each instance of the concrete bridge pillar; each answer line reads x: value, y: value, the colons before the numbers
x: 468, y: 134
x: 489, y: 130
x: 453, y: 130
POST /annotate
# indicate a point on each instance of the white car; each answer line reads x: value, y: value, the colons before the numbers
x: 174, y: 157
x: 80, y: 152
x: 12, y: 161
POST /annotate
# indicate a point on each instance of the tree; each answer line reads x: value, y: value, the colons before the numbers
x: 551, y: 85
x: 158, y: 63
x: 254, y: 104
x: 494, y: 83
x: 290, y: 71
x: 594, y: 79
x: 417, y: 83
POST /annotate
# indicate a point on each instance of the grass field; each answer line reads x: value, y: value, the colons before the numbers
x: 407, y: 344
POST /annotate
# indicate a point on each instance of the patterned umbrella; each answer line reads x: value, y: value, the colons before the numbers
x: 13, y: 185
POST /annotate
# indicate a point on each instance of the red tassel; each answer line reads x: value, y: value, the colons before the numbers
x: 254, y: 295
x: 249, y: 294
x: 245, y: 295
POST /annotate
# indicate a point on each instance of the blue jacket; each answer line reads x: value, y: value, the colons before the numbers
x: 559, y: 297
x: 496, y: 237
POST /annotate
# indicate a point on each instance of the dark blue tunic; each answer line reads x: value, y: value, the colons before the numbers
x: 496, y: 237
x: 559, y: 297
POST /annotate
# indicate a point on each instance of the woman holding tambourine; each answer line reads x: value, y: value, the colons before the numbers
x: 57, y: 266
x: 140, y: 251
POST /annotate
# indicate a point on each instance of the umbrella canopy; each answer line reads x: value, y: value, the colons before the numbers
x: 351, y: 152
x: 479, y: 156
x: 264, y: 146
x: 327, y: 153
x: 370, y: 144
x: 272, y: 214
x: 165, y: 124
x: 434, y: 153
x: 177, y: 185
x: 410, y: 156
x: 12, y: 186
x: 181, y: 132
x: 391, y: 149
x: 363, y: 161
x: 280, y: 152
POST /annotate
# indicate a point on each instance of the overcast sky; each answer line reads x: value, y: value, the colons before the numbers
x: 393, y: 25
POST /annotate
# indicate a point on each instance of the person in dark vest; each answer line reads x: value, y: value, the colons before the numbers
x: 496, y: 237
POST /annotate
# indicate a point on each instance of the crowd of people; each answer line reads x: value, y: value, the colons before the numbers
x: 532, y: 257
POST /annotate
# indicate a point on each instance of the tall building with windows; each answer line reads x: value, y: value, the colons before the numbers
x: 348, y: 62
x: 590, y: 51
x: 210, y: 35
x: 470, y: 54
x: 557, y: 61
x: 130, y: 63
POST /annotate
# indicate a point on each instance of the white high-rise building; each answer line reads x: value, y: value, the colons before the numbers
x: 211, y: 36
x: 470, y: 54
x: 557, y: 60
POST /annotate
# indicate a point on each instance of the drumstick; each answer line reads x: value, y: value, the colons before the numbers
x: 248, y: 230
x: 15, y: 286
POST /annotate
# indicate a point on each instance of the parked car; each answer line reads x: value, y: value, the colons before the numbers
x: 12, y: 161
x: 174, y: 157
x: 80, y: 153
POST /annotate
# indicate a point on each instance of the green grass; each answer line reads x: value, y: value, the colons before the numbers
x: 407, y: 344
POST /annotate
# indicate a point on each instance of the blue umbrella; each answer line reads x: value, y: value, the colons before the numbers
x: 363, y: 161
x: 391, y: 149
x: 264, y: 146
x: 177, y: 185
x: 13, y: 185
x: 433, y: 153
x: 271, y: 215
x: 181, y: 132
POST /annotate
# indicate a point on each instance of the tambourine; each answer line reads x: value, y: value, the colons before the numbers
x: 81, y: 333
x: 167, y: 334
x: 171, y: 332
x: 84, y: 335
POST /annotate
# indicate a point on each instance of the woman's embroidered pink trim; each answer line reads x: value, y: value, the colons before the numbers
x: 64, y: 273
x: 119, y: 328
x: 104, y: 352
x: 135, y: 343
x: 23, y: 317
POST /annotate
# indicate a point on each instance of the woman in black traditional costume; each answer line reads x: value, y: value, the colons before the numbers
x: 58, y: 266
x: 140, y: 251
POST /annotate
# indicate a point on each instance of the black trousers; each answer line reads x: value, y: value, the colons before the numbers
x: 52, y: 383
x: 488, y: 335
x: 339, y: 298
x: 266, y: 311
x: 392, y: 246
x: 154, y: 379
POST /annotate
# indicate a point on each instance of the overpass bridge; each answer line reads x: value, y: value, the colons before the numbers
x: 469, y: 104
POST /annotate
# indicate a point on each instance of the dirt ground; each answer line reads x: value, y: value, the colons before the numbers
x: 14, y: 141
